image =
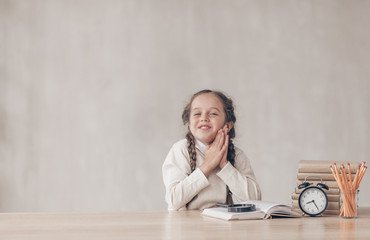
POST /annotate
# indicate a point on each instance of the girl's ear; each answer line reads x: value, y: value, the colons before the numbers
x: 229, y: 125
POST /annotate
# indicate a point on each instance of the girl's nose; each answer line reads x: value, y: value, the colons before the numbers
x: 204, y: 118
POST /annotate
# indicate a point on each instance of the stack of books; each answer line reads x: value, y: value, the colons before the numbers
x: 321, y: 169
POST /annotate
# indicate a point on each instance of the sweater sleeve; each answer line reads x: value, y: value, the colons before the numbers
x: 181, y: 184
x: 241, y: 179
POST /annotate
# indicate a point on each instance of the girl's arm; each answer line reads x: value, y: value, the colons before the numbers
x: 241, y: 179
x: 181, y: 185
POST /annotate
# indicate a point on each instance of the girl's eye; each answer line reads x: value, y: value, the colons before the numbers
x: 196, y: 114
x: 213, y: 114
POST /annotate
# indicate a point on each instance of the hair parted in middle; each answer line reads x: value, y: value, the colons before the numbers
x: 229, y: 117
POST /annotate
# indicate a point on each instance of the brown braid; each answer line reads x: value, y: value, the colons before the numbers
x: 231, y: 158
x: 191, y: 150
x: 231, y: 152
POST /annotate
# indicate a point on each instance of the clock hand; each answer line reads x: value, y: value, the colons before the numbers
x: 315, y: 204
x: 309, y: 202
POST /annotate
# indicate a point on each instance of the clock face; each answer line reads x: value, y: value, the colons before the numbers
x: 313, y: 201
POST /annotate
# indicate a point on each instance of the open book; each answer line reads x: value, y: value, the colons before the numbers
x: 264, y: 210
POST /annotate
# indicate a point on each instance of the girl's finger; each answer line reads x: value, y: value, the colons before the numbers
x: 226, y: 143
x: 216, y: 140
x: 225, y: 128
x: 220, y: 139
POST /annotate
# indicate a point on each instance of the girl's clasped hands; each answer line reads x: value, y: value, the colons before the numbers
x: 216, y: 152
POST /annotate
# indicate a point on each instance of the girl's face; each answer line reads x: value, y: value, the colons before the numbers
x: 207, y: 116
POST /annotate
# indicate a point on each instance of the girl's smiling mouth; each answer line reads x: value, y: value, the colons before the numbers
x: 204, y: 127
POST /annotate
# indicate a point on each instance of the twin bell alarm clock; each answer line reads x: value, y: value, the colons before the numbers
x: 313, y: 200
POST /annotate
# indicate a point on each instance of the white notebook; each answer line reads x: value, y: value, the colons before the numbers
x: 264, y: 210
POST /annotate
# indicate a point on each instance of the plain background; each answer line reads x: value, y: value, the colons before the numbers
x: 91, y: 93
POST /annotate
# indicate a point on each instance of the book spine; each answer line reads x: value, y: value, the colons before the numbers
x: 331, y: 197
x: 325, y: 213
x: 331, y: 191
x: 325, y: 176
x: 322, y: 166
x: 331, y: 205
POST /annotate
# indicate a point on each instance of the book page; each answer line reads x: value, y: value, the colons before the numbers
x: 263, y: 205
x: 273, y: 208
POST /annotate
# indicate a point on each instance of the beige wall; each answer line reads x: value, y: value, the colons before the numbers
x: 91, y: 93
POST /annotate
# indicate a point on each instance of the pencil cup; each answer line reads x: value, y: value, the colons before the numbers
x: 348, y: 202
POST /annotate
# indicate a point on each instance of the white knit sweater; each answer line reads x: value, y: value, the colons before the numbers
x: 183, y: 186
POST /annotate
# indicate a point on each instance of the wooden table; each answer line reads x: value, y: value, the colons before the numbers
x: 176, y: 225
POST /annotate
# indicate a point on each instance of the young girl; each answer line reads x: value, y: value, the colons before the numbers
x: 206, y: 168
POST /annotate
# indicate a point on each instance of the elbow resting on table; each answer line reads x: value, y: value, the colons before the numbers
x: 174, y: 200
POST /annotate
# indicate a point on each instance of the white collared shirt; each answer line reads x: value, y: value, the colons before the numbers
x: 200, y: 146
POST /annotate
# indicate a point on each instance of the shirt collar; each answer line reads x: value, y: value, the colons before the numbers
x: 200, y: 146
